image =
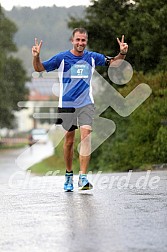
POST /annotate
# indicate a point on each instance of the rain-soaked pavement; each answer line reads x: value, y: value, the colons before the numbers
x: 125, y: 212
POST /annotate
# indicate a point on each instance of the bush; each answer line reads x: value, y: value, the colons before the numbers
x: 160, y: 145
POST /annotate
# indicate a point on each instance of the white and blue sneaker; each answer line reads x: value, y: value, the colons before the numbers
x: 68, y: 185
x: 83, y: 182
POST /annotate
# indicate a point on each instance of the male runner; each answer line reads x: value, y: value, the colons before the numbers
x: 76, y: 104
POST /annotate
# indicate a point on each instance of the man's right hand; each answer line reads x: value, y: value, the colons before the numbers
x: 38, y: 66
x: 36, y: 48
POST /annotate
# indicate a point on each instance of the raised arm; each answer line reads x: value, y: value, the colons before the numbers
x: 36, y: 59
x: 123, y: 50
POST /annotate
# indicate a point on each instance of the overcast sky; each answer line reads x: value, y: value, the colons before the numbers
x: 8, y: 4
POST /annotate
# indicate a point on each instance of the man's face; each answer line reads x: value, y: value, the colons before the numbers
x: 79, y: 41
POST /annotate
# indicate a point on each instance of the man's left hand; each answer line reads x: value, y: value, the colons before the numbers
x: 123, y: 46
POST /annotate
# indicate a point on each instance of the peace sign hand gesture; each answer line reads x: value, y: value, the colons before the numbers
x: 36, y: 49
x: 123, y: 46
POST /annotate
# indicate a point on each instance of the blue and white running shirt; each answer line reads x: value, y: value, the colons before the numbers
x: 75, y: 75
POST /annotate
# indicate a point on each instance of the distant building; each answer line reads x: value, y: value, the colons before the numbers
x: 40, y: 91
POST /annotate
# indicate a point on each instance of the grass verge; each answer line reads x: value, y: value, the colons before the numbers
x: 12, y: 146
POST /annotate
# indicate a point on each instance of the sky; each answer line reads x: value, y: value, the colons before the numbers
x: 8, y: 4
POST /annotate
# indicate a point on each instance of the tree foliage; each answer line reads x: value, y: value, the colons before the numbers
x: 143, y: 22
x: 12, y: 73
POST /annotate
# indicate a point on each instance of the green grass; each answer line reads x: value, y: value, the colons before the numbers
x: 12, y: 146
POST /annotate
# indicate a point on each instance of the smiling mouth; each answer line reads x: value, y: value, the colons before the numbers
x: 80, y: 47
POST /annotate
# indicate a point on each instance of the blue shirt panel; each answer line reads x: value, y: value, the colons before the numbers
x: 76, y: 89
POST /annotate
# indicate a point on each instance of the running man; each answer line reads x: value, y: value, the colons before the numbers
x: 76, y: 104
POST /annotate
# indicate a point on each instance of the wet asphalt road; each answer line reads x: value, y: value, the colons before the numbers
x: 37, y: 215
x: 12, y: 161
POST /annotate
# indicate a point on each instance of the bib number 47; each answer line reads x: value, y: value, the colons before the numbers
x: 79, y: 71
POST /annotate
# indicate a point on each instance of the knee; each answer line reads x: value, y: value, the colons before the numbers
x: 86, y: 135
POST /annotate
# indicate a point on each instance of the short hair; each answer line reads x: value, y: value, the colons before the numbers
x: 80, y: 30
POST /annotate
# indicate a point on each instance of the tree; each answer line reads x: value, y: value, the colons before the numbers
x: 143, y: 22
x: 12, y: 74
x: 146, y: 26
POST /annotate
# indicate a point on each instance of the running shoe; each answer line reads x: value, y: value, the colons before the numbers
x: 83, y: 182
x: 68, y: 185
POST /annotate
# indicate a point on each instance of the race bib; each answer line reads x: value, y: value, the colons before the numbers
x: 80, y: 71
